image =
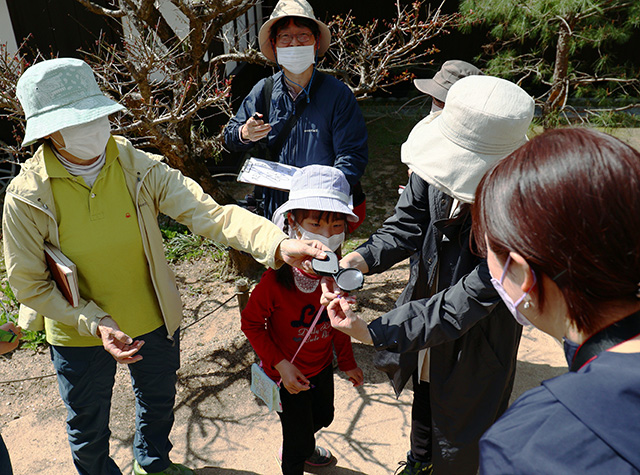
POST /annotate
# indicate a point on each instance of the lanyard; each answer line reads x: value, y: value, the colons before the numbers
x: 616, y: 333
x: 313, y: 325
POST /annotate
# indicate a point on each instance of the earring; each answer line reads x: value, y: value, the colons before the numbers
x: 528, y: 303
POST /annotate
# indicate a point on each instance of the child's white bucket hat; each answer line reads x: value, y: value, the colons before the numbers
x: 60, y: 93
x: 318, y: 187
x: 484, y: 119
x: 299, y: 8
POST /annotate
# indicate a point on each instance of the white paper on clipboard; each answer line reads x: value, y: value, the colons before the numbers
x: 266, y: 173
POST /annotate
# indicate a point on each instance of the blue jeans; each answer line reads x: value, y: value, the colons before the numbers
x: 85, y: 380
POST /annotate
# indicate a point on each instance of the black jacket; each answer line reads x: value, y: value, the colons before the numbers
x: 472, y: 336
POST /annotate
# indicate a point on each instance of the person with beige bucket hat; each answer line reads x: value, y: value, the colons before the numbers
x: 300, y: 115
x: 452, y: 308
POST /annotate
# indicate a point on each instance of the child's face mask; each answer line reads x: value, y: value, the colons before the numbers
x: 334, y: 242
x: 298, y: 231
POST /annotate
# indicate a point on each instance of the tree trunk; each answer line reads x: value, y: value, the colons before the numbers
x: 560, y: 84
x: 241, y: 264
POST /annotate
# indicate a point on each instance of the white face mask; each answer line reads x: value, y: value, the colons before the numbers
x: 86, y: 141
x: 296, y: 59
x: 334, y: 242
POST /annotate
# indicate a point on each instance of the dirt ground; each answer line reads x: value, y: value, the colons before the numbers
x: 220, y: 427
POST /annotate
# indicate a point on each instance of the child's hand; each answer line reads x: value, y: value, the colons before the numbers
x: 292, y: 378
x: 356, y: 376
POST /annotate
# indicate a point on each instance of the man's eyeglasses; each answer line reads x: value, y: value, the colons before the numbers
x: 285, y: 39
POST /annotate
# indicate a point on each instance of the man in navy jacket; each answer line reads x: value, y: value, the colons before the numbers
x: 328, y: 129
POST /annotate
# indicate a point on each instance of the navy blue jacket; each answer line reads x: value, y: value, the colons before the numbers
x: 586, y: 422
x: 331, y: 130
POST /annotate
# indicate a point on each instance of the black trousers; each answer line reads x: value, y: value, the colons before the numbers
x: 421, y: 421
x: 303, y: 415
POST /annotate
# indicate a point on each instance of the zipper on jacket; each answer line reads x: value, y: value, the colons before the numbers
x: 41, y: 206
x: 139, y: 179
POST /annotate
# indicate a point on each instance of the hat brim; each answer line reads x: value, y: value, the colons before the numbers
x: 317, y: 203
x: 427, y: 147
x: 81, y: 112
x: 265, y: 30
x: 432, y: 88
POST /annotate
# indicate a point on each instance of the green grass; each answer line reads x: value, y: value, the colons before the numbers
x: 182, y: 245
x: 388, y: 125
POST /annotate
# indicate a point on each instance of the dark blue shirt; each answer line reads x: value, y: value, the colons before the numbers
x: 583, y: 422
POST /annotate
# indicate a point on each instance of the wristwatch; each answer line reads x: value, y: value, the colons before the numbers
x: 8, y: 336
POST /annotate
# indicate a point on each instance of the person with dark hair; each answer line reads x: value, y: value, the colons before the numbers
x: 97, y: 198
x: 559, y: 221
x: 301, y: 116
x: 279, y: 320
x: 465, y: 381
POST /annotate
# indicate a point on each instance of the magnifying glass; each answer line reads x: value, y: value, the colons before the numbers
x: 348, y: 279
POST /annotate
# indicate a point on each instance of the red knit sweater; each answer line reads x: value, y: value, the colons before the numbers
x: 276, y: 320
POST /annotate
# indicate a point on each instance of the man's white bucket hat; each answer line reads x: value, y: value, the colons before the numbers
x: 318, y: 187
x: 60, y: 93
x: 483, y: 120
x: 299, y: 8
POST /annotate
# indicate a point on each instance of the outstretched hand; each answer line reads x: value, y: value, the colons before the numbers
x: 298, y: 253
x: 120, y: 345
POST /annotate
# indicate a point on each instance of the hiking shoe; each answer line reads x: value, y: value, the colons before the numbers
x: 173, y: 469
x: 413, y: 467
x: 320, y: 457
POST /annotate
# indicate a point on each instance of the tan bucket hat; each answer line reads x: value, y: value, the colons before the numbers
x: 484, y: 119
x: 299, y: 8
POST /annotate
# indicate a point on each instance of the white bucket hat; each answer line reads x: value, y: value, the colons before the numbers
x: 299, y: 8
x: 484, y: 119
x: 318, y: 187
x: 60, y: 93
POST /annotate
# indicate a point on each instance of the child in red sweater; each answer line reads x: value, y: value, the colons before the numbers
x: 283, y: 306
